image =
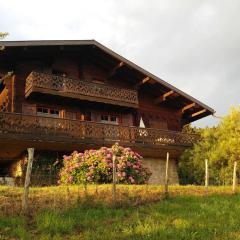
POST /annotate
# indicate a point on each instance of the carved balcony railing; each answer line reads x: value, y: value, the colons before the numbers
x: 56, y: 129
x: 84, y: 90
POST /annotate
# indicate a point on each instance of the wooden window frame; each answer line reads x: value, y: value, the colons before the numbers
x: 48, y: 112
x: 109, y: 116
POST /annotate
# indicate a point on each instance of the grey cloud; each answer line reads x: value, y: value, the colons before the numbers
x: 193, y: 45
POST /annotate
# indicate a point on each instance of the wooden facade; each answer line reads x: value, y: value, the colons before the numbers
x: 75, y: 95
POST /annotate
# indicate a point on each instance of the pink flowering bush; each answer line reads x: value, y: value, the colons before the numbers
x: 95, y: 166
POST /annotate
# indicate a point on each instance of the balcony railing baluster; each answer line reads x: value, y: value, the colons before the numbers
x: 79, y: 88
x: 38, y: 127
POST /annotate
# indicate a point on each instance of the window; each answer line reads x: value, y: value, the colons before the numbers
x: 59, y: 73
x: 113, y: 119
x: 49, y: 112
x: 54, y: 112
x: 104, y: 118
x: 109, y: 119
x: 42, y: 110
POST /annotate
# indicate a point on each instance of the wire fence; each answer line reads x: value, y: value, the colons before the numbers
x: 43, y: 190
x: 45, y: 170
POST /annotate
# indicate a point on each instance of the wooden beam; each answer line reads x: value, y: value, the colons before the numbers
x: 9, y: 74
x: 13, y: 83
x: 120, y: 65
x: 168, y: 93
x: 146, y: 79
x: 188, y: 107
x: 198, y: 113
x: 163, y: 97
x: 115, y: 69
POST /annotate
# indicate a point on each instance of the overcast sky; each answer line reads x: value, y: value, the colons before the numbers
x: 192, y: 44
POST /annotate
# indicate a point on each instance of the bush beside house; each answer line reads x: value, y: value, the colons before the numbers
x: 96, y: 166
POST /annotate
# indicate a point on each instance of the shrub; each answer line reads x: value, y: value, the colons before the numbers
x: 95, y: 166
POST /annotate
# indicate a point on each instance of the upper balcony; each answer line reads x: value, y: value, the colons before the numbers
x: 38, y: 82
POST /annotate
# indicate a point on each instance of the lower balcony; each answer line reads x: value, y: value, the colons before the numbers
x: 38, y: 128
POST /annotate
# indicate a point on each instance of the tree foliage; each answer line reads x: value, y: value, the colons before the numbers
x: 2, y: 35
x: 220, y: 145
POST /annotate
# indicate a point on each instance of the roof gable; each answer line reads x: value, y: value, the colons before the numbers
x: 204, y: 110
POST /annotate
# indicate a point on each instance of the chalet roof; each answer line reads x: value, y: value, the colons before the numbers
x: 206, y: 110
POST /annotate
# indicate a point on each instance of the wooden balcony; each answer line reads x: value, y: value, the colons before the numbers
x: 84, y: 90
x: 38, y: 128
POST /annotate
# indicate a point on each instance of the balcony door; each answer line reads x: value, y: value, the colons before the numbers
x: 110, y: 127
x: 50, y: 118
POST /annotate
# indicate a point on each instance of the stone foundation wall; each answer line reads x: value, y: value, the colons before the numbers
x: 158, y: 166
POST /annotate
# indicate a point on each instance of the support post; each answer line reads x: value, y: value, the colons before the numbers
x: 114, y: 178
x: 25, y: 206
x: 206, y: 176
x: 234, y: 177
x: 166, y: 177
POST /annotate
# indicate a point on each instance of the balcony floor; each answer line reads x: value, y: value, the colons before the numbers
x: 12, y: 147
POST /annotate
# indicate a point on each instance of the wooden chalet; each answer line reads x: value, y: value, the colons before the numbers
x: 60, y: 96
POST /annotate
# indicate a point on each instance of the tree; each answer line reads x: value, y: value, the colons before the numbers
x: 220, y: 145
x: 190, y: 129
x: 2, y: 35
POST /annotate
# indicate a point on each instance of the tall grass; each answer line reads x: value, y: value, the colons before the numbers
x: 140, y: 213
x: 12, y: 227
x: 56, y: 197
x: 182, y: 217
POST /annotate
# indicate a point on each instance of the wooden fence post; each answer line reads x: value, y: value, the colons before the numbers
x: 166, y: 176
x: 114, y: 178
x: 27, y: 180
x: 206, y: 175
x: 78, y: 192
x: 54, y: 199
x: 234, y: 177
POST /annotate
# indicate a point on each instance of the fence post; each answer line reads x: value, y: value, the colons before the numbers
x: 27, y: 180
x: 114, y: 179
x: 206, y: 175
x: 234, y: 177
x: 78, y: 192
x: 54, y: 199
x: 166, y: 176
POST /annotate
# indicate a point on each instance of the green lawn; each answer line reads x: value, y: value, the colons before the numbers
x: 180, y: 217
